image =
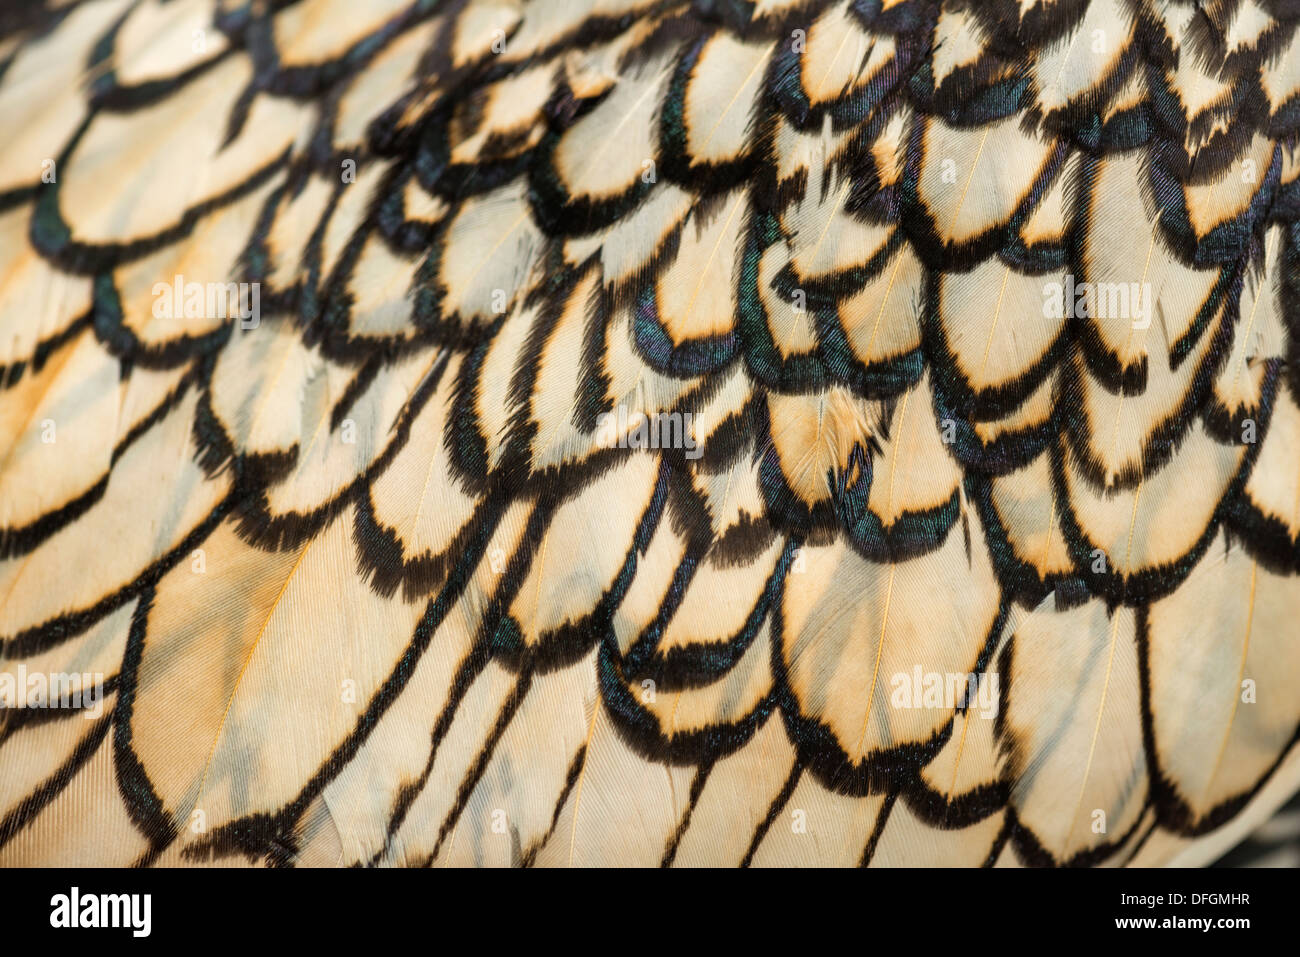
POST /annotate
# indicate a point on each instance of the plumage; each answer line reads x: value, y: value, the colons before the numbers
x: 628, y: 432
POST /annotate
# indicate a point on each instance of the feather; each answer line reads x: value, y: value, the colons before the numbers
x: 619, y: 433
